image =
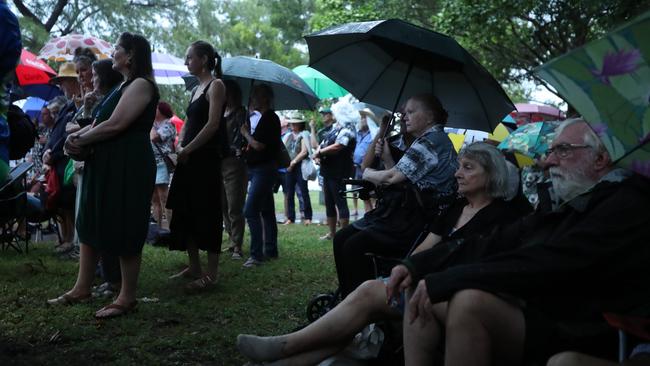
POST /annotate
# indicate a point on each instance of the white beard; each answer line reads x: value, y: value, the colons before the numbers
x: 570, y: 184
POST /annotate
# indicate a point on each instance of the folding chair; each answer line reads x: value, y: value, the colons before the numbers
x: 13, y: 208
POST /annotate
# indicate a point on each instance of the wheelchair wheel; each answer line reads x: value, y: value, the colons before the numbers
x: 320, y: 305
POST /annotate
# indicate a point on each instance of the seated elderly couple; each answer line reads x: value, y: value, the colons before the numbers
x: 509, y: 295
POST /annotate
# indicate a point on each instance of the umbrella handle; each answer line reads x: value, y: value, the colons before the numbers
x: 377, y: 161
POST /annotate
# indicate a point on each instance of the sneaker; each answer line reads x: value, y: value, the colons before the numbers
x: 236, y: 256
x: 251, y: 262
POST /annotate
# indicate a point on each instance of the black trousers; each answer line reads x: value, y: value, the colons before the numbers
x: 353, y: 267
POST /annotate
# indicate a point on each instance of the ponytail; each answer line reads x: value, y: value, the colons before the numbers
x: 218, y: 70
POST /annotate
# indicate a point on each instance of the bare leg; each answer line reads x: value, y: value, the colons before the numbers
x: 344, y: 222
x: 308, y: 358
x: 423, y: 336
x: 162, y: 196
x: 367, y: 205
x: 490, y: 327
x: 331, y: 223
x: 130, y: 268
x: 577, y: 359
x: 363, y: 306
x: 67, y: 225
x: 213, y: 265
x: 157, y: 209
x: 194, y: 267
x: 88, y: 259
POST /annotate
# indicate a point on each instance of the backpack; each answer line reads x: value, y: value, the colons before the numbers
x: 22, y: 133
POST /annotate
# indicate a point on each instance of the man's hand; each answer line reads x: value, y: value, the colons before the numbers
x: 420, y: 305
x: 400, y: 279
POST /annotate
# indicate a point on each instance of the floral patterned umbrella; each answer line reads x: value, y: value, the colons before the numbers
x: 531, y: 139
x: 608, y: 82
x: 61, y: 49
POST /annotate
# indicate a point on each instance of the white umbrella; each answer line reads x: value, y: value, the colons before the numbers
x: 168, y: 69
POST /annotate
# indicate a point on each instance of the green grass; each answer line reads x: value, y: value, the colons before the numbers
x: 177, y: 329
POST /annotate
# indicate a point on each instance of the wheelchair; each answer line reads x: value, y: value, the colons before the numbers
x: 322, y: 303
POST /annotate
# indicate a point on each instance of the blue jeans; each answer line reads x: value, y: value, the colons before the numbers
x: 293, y: 179
x: 259, y: 211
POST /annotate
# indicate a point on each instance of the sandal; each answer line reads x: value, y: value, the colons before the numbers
x: 120, y: 310
x: 185, y: 273
x: 204, y: 283
x: 67, y: 299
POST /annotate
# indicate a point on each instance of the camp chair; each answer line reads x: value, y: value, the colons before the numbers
x: 628, y: 326
x: 13, y: 204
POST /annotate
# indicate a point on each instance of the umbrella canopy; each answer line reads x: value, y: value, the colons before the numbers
x: 607, y: 82
x: 168, y: 69
x: 532, y: 139
x: 30, y: 70
x: 61, y: 49
x: 42, y: 91
x: 539, y: 109
x: 32, y: 107
x: 289, y: 90
x: 385, y: 62
x: 322, y: 86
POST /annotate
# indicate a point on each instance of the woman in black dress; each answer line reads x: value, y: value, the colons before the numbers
x: 195, y: 192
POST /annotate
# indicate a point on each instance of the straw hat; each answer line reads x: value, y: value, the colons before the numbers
x: 368, y: 113
x: 295, y: 117
x: 66, y: 70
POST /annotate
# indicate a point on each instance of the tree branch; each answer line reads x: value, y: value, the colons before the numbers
x: 56, y: 13
x: 27, y: 13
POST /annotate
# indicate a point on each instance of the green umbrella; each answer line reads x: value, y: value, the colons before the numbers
x: 608, y: 82
x: 323, y: 86
x: 531, y: 139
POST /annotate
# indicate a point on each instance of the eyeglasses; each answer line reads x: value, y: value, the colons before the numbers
x: 563, y: 151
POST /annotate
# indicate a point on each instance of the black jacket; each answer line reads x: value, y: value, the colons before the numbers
x: 590, y: 256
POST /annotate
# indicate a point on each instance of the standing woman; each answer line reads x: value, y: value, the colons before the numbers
x: 195, y: 192
x: 162, y: 137
x: 118, y: 177
x: 263, y: 146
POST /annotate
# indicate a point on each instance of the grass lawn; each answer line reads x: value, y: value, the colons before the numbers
x: 174, y: 329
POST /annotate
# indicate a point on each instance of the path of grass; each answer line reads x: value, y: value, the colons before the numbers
x: 177, y: 329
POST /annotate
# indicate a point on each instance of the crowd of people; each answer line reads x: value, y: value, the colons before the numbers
x: 483, y: 278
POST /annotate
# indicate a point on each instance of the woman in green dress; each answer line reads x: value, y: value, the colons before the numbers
x: 119, y: 177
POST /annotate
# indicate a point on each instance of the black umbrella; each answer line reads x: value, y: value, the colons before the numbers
x: 385, y: 62
x: 290, y: 91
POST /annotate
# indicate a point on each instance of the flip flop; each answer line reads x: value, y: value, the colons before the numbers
x: 121, y: 310
x: 66, y: 299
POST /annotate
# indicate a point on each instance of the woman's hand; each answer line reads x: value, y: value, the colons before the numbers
x: 399, y: 280
x: 379, y: 147
x: 89, y: 100
x: 71, y: 146
x: 245, y: 130
x: 182, y: 155
x: 420, y: 305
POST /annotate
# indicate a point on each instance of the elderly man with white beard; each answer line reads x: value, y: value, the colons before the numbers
x: 554, y: 276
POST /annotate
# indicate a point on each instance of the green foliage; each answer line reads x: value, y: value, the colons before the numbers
x: 102, y: 18
x: 332, y: 12
x: 512, y: 37
x: 173, y: 329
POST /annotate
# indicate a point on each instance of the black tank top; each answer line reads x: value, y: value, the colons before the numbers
x: 197, y: 117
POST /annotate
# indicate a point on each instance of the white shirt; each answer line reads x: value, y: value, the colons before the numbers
x: 254, y: 118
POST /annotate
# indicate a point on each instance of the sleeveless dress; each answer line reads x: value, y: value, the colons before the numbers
x: 118, y: 183
x: 195, y: 191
